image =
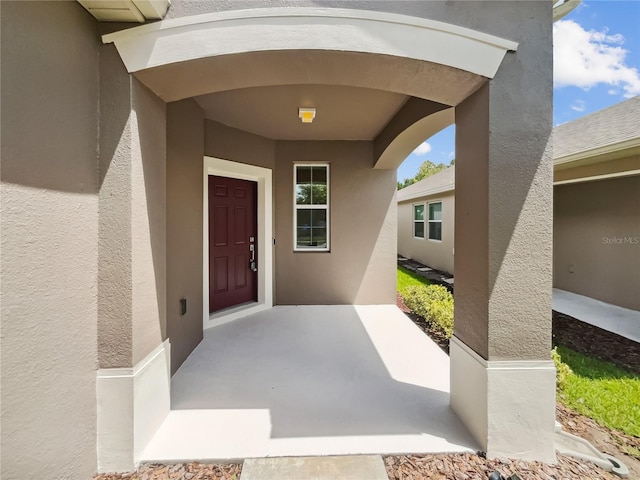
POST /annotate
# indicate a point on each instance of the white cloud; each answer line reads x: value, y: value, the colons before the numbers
x: 578, y: 106
x: 452, y: 155
x: 587, y: 58
x: 422, y: 149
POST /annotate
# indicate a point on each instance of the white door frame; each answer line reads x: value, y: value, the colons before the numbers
x: 263, y: 177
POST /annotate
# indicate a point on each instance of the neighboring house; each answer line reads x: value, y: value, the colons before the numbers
x: 427, y: 207
x: 157, y: 180
x: 596, y: 209
x: 596, y: 213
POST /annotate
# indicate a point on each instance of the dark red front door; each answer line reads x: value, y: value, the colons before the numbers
x: 232, y: 236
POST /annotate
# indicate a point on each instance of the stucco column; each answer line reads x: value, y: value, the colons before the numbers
x: 502, y: 379
x: 132, y: 382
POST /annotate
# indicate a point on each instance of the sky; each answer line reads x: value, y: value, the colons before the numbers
x: 596, y: 64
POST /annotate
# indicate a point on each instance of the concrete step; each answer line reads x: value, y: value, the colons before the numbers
x: 351, y: 467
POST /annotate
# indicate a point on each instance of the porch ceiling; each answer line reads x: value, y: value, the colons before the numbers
x: 343, y: 113
x: 311, y: 380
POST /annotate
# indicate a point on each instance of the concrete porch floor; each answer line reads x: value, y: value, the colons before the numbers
x: 311, y: 380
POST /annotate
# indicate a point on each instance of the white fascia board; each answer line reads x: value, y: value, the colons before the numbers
x: 425, y: 192
x: 267, y: 29
x: 594, y: 178
x: 565, y: 161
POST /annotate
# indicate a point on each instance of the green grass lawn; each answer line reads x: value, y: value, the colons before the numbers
x: 602, y: 391
x: 407, y: 278
x: 595, y: 388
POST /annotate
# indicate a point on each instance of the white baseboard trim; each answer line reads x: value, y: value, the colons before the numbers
x: 508, y: 406
x: 132, y: 403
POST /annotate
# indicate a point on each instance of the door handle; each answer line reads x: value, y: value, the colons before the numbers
x: 252, y: 262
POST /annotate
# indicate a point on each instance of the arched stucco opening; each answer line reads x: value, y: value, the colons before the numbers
x: 222, y: 53
x: 408, y: 133
x: 426, y: 209
x: 235, y: 51
x: 376, y: 50
x: 232, y: 52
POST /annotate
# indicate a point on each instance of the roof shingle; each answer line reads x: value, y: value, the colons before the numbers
x: 612, y: 125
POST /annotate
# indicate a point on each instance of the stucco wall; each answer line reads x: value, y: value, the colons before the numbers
x: 596, y: 242
x: 492, y: 18
x: 472, y: 223
x: 132, y: 230
x: 50, y: 228
x: 227, y: 143
x: 49, y: 238
x: 148, y: 220
x: 185, y: 145
x: 435, y: 254
x: 504, y: 185
x: 360, y: 269
x: 357, y: 270
x: 114, y: 242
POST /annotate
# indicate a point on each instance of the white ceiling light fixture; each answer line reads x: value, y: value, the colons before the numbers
x: 306, y: 114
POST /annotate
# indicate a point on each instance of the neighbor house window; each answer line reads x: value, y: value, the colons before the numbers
x: 418, y: 221
x: 435, y: 221
x: 311, y: 207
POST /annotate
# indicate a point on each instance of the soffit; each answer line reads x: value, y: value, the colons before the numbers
x: 126, y: 10
x: 342, y: 112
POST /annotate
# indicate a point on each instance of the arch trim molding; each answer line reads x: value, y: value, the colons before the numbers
x: 272, y: 29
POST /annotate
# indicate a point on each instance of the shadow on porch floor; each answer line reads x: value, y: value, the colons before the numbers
x: 311, y: 380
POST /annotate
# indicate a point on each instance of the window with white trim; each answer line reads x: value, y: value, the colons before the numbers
x: 435, y: 221
x: 418, y: 220
x: 311, y: 207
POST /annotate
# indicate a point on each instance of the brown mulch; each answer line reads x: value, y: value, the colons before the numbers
x: 467, y: 466
x: 179, y: 471
x: 596, y: 342
x: 613, y: 442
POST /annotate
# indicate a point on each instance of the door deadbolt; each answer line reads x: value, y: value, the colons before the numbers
x: 252, y: 263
